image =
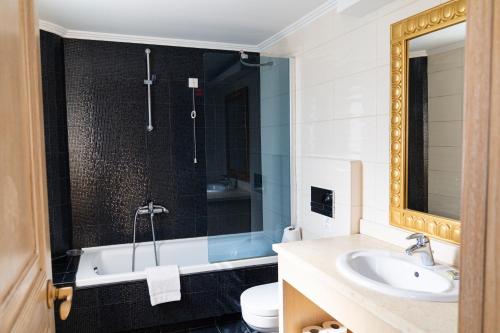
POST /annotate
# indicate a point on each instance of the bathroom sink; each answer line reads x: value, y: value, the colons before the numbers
x: 216, y: 188
x: 400, y: 275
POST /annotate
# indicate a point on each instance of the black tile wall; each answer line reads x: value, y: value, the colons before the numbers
x: 56, y: 142
x: 64, y: 270
x: 204, y: 296
x: 115, y: 165
x: 229, y: 216
x: 101, y: 162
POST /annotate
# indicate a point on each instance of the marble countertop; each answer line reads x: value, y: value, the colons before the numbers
x: 319, y: 257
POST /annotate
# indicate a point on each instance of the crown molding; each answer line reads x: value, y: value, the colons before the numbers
x: 52, y: 27
x: 297, y: 25
x: 103, y: 36
x: 446, y: 48
x: 417, y: 54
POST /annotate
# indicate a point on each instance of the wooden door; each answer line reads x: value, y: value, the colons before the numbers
x: 24, y: 245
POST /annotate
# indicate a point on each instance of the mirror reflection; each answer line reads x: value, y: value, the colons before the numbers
x: 435, y: 121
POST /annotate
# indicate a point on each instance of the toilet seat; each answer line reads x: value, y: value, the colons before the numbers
x: 261, y: 300
x: 259, y: 307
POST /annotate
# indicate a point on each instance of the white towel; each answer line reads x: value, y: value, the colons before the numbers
x: 164, y: 284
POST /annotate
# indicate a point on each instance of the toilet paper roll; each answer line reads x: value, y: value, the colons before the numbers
x: 291, y: 234
x: 312, y: 329
x: 334, y: 326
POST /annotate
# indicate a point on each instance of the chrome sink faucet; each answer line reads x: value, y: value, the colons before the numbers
x: 423, y: 247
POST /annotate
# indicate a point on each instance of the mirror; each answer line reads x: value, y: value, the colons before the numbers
x: 427, y: 80
x: 435, y: 108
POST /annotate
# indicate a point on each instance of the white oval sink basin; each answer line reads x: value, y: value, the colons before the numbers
x: 399, y: 275
x: 216, y: 188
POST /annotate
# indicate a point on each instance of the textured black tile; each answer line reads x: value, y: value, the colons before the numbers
x: 114, y: 164
x: 116, y: 317
x: 234, y: 327
x: 69, y: 278
x: 228, y: 224
x: 85, y: 297
x: 102, y: 164
x: 104, y: 59
x: 210, y: 329
x: 73, y: 264
x: 113, y: 294
x: 201, y: 227
x: 261, y: 275
x: 56, y: 141
x: 58, y: 278
x: 85, y: 236
x: 81, y: 320
x: 203, y: 282
x: 205, y: 296
x: 112, y: 156
x: 64, y: 270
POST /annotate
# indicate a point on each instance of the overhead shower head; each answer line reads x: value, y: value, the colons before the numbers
x: 244, y: 56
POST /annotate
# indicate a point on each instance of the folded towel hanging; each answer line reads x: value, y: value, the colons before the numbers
x: 164, y: 284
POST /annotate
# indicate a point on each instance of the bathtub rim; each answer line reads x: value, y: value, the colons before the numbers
x: 86, y: 276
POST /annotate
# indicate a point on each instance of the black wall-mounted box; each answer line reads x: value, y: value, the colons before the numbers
x: 322, y: 201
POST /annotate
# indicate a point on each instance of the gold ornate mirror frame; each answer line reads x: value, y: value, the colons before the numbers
x: 436, y: 18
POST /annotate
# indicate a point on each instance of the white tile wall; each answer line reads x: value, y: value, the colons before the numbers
x: 344, y: 178
x: 446, y: 82
x: 275, y: 146
x: 342, y: 106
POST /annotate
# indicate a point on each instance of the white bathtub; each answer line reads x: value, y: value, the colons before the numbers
x: 113, y: 263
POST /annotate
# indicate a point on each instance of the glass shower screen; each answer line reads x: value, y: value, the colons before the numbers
x: 247, y: 146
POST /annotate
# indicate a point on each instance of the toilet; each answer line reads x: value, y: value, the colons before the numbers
x: 259, y: 304
x: 259, y: 307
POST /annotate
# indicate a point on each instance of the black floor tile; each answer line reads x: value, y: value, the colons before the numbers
x: 212, y: 329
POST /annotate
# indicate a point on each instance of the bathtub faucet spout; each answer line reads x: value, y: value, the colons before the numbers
x: 150, y: 209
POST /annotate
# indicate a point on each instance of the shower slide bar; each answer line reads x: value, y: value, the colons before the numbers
x: 149, y: 82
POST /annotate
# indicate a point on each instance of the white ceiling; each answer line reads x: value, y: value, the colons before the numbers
x: 224, y: 21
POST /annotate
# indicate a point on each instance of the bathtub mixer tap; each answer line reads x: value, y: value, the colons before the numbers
x: 150, y: 209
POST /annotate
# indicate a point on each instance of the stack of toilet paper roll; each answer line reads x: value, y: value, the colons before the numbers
x: 291, y: 234
x: 331, y: 326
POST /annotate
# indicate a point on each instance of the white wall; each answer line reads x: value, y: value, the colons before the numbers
x: 342, y: 108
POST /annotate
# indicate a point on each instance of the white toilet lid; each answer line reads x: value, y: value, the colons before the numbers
x: 261, y: 300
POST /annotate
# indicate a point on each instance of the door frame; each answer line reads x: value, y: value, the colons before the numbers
x: 480, y: 248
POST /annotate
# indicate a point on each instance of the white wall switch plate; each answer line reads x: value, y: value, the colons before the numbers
x: 193, y: 82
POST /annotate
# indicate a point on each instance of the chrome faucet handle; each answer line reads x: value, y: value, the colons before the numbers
x: 423, y: 246
x: 158, y: 209
x: 421, y: 238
